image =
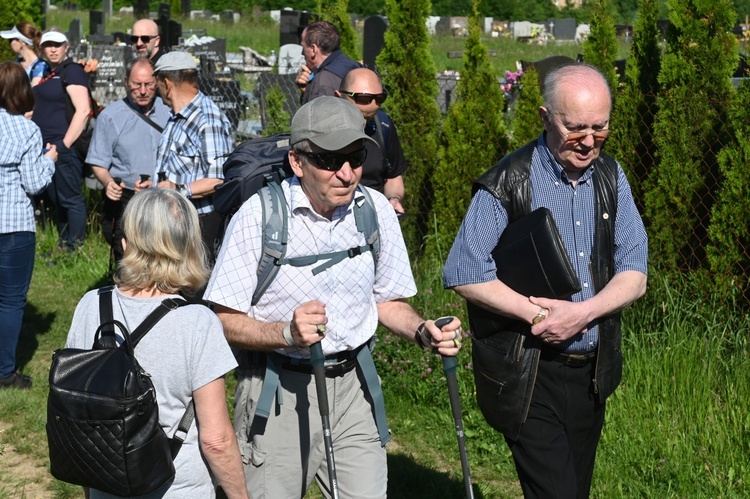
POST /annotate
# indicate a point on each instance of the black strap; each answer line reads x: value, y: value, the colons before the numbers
x: 105, y: 315
x: 166, y: 306
x: 144, y: 117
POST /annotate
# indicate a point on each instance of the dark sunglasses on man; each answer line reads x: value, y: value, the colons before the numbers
x: 334, y: 161
x: 143, y: 38
x: 364, y: 98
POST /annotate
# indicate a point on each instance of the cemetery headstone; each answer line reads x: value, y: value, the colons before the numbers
x: 374, y: 39
x: 290, y: 58
x: 186, y: 7
x: 225, y: 92
x: 447, y: 86
x: 140, y: 9
x: 96, y: 22
x: 75, y: 32
x: 565, y: 29
x: 544, y: 66
x: 443, y: 26
x: 107, y: 7
x: 110, y: 73
x: 227, y: 16
x: 212, y: 49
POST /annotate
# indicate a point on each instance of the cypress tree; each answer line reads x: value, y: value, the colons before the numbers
x: 600, y: 46
x: 473, y: 139
x: 526, y: 124
x: 691, y: 127
x: 728, y: 252
x: 408, y: 73
x: 631, y: 141
x: 336, y: 12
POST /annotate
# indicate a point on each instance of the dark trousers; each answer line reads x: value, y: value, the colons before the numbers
x: 16, y: 267
x: 111, y: 226
x: 555, y: 452
x: 66, y: 194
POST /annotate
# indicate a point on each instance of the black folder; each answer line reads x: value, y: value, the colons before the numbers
x: 532, y: 260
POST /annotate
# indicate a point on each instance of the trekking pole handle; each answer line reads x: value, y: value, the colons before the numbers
x: 317, y: 359
x: 449, y: 363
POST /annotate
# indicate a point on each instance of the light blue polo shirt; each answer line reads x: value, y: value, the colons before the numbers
x: 124, y: 143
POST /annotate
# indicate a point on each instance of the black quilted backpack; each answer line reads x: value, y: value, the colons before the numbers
x: 102, y: 416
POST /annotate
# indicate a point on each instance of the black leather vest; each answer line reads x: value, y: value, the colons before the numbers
x: 505, y: 354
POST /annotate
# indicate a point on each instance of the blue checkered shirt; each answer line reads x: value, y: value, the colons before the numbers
x: 194, y: 145
x: 24, y: 171
x: 470, y: 260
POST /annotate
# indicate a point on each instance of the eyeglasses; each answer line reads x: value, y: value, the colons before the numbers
x: 599, y: 135
x: 52, y: 44
x: 147, y: 86
x: 364, y: 98
x: 143, y: 38
x: 334, y: 161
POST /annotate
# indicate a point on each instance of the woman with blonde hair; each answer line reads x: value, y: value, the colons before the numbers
x: 24, y: 41
x: 185, y: 354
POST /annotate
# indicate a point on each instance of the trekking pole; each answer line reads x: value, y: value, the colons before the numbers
x: 317, y: 360
x: 449, y: 368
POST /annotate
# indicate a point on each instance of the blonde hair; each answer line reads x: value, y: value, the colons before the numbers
x: 164, y: 248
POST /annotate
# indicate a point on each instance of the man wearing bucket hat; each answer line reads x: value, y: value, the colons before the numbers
x: 276, y: 405
x: 195, y: 142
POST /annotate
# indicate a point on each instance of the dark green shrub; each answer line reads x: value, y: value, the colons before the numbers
x: 336, y: 12
x: 408, y: 72
x: 690, y: 129
x: 473, y: 139
x: 631, y: 141
x: 525, y: 123
x: 278, y: 119
x: 600, y: 46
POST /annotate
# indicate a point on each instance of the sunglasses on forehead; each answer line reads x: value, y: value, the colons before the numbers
x: 364, y: 98
x: 334, y: 161
x: 143, y: 38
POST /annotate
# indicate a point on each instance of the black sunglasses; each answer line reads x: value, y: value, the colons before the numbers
x: 52, y: 44
x: 334, y: 161
x: 364, y: 98
x: 144, y: 38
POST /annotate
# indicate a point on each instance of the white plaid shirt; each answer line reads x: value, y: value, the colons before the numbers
x: 349, y: 289
x: 194, y: 145
x: 24, y: 171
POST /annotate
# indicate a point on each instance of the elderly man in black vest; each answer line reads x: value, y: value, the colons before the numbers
x: 544, y: 367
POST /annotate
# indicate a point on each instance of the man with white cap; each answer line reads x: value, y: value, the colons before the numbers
x: 195, y: 142
x: 281, y: 437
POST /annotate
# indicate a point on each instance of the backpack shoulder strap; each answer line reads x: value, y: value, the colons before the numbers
x: 275, y: 235
x: 106, y: 315
x: 150, y: 321
x: 383, y: 133
x: 366, y: 218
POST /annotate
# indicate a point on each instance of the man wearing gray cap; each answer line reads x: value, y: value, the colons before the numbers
x: 195, y: 142
x: 337, y: 305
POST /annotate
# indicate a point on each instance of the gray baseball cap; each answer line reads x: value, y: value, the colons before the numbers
x: 330, y: 123
x: 175, y: 61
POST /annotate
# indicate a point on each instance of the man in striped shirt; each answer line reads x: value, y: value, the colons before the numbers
x: 545, y: 367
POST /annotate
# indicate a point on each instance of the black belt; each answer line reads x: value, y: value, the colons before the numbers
x: 340, y: 363
x: 568, y: 359
x: 331, y: 370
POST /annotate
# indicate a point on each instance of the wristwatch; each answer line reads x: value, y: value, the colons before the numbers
x: 540, y: 316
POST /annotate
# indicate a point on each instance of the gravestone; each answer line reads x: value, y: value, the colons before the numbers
x: 564, y: 29
x: 225, y: 92
x: 290, y: 59
x: 140, y: 9
x: 227, y: 16
x: 96, y: 22
x: 107, y: 7
x: 186, y: 7
x: 544, y: 66
x: 291, y: 25
x: 374, y: 39
x: 285, y: 83
x: 443, y: 26
x: 447, y: 86
x: 111, y: 71
x: 212, y: 50
x: 75, y: 32
x: 521, y: 29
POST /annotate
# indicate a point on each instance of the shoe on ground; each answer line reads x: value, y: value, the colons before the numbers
x: 16, y: 380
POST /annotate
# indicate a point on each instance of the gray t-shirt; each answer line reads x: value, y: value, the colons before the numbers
x: 183, y: 352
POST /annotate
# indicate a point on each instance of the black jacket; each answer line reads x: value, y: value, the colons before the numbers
x: 505, y: 353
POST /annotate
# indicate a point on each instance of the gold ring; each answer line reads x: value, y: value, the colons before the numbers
x: 321, y: 329
x: 457, y: 342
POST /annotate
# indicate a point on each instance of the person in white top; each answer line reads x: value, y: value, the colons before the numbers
x: 282, y: 441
